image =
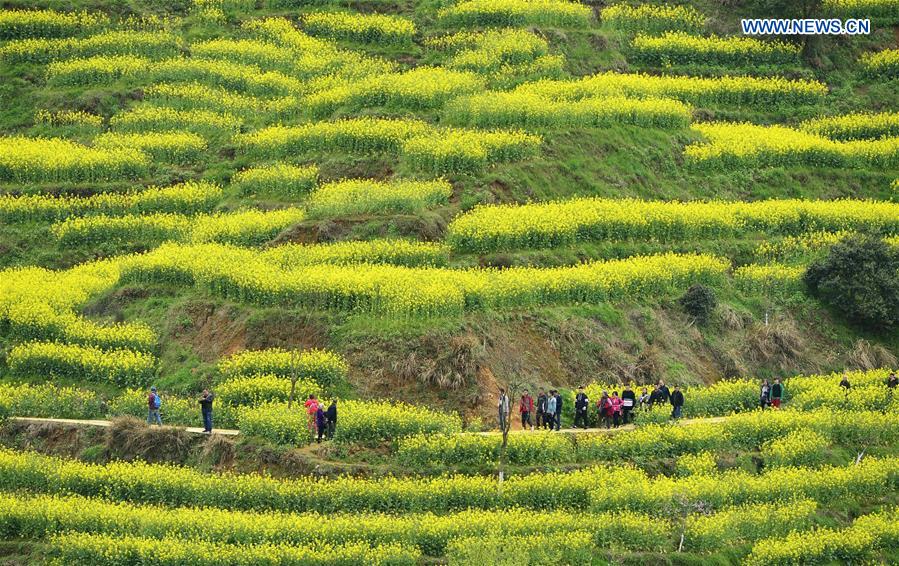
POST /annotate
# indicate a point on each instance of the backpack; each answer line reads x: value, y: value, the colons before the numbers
x: 157, y: 401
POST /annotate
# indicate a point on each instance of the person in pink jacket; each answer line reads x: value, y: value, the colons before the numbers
x: 616, y: 404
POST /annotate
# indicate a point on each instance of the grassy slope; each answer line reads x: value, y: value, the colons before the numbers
x: 466, y: 357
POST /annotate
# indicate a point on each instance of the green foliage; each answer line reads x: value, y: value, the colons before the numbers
x: 859, y: 279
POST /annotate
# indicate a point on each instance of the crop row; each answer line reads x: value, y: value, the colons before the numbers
x: 863, y: 125
x: 243, y: 227
x: 595, y: 489
x: 366, y: 196
x: 653, y: 18
x: 678, y: 48
x: 861, y: 542
x: 756, y: 91
x: 21, y: 24
x: 142, y: 119
x: 409, y: 253
x: 497, y: 227
x: 441, y: 151
x: 279, y: 179
x: 53, y: 360
x: 185, y: 198
x: 528, y: 110
x: 418, y: 89
x: 741, y: 145
x: 746, y: 431
x: 882, y: 64
x: 195, y: 95
x: 400, y: 291
x: 172, y: 147
x: 793, y: 247
x: 517, y: 13
x: 366, y: 28
x: 154, y: 45
x: 55, y: 160
x: 43, y: 516
x: 320, y: 366
x: 882, y: 11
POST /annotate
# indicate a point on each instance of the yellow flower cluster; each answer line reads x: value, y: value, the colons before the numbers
x: 761, y: 91
x: 279, y: 179
x: 653, y: 18
x: 863, y: 125
x: 597, y: 489
x: 149, y: 118
x: 516, y: 13
x: 153, y: 45
x: 319, y: 366
x: 194, y: 95
x: 678, y: 48
x: 440, y: 150
x: 798, y: 246
x: 48, y: 160
x: 185, y: 198
x: 530, y: 110
x: 53, y: 360
x: 365, y: 28
x: 489, y: 228
x: 171, y: 146
x: 409, y: 253
x: 248, y: 79
x: 883, y: 64
x: 253, y: 390
x: 417, y: 89
x: 368, y: 196
x: 769, y: 277
x: 797, y: 448
x: 247, y: 227
x: 31, y: 400
x: 99, y: 69
x: 399, y: 291
x: 261, y: 54
x: 882, y: 11
x: 103, y: 550
x: 68, y: 118
x: 20, y: 24
x: 737, y: 145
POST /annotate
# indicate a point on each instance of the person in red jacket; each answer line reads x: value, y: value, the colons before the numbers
x: 616, y: 405
x: 605, y: 409
x: 526, y: 408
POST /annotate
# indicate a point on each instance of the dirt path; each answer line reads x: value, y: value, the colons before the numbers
x: 684, y: 422
x: 75, y: 422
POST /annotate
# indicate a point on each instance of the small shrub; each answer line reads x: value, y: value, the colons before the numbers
x: 699, y: 302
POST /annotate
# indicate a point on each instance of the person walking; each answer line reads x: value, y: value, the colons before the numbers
x: 581, y: 406
x: 154, y: 403
x: 777, y: 393
x: 605, y: 409
x: 549, y: 417
x: 644, y: 402
x: 615, y: 401
x: 502, y: 407
x: 541, y: 409
x: 206, y: 410
x: 628, y: 402
x: 765, y: 394
x: 558, y: 413
x: 311, y: 405
x: 526, y: 407
x: 844, y: 383
x: 321, y: 422
x: 331, y: 415
x: 664, y: 392
x: 677, y: 403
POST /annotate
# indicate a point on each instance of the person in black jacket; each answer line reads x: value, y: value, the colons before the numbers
x: 206, y: 409
x: 892, y: 381
x: 558, y: 416
x: 664, y: 394
x: 628, y: 403
x: 581, y: 406
x: 541, y: 410
x: 677, y: 402
x: 331, y: 416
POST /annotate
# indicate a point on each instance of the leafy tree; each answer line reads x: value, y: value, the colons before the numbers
x: 699, y: 302
x: 860, y: 279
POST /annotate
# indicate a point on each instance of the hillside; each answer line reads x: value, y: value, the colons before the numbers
x: 406, y: 206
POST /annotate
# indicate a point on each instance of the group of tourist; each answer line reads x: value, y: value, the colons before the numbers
x: 612, y: 410
x: 322, y: 421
